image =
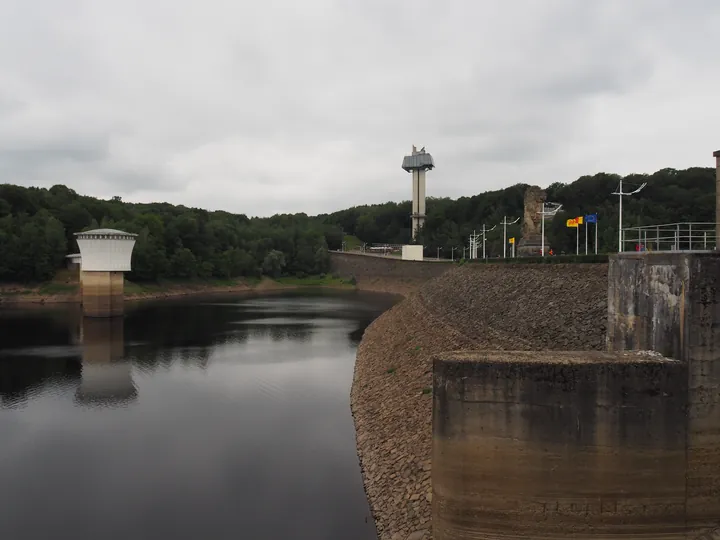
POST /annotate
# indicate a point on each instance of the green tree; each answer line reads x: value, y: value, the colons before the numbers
x: 273, y: 263
x: 183, y: 263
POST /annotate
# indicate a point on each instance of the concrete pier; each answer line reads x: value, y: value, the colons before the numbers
x: 670, y: 303
x: 102, y: 293
x: 551, y: 445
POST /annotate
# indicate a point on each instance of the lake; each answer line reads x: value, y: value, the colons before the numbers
x: 213, y: 418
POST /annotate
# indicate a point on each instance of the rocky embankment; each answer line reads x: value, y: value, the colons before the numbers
x: 475, y: 306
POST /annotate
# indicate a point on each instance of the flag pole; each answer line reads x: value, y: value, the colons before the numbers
x: 586, y: 228
x: 596, y: 226
x: 577, y: 239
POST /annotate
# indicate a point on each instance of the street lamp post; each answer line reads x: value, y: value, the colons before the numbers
x: 505, y: 223
x: 452, y: 253
x: 484, y: 230
x: 438, y: 253
x: 620, y: 195
x: 548, y: 209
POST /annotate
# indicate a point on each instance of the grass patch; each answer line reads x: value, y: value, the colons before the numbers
x: 391, y: 370
x: 47, y: 289
x: 148, y: 287
x: 426, y: 390
x: 315, y: 281
x: 352, y: 242
x: 15, y: 292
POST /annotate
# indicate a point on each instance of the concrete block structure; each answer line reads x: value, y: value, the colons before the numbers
x: 105, y: 255
x: 106, y: 375
x: 551, y: 445
x: 412, y: 253
x: 670, y: 303
x: 417, y: 163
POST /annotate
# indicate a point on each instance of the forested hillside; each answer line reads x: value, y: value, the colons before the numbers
x: 671, y: 196
x: 37, y: 226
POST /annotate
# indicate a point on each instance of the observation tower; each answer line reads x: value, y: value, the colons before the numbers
x: 417, y: 163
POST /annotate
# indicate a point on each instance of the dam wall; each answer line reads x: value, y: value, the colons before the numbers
x: 469, y: 307
x: 386, y: 274
x: 589, y: 445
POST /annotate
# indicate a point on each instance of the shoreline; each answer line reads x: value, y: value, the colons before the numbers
x: 36, y: 298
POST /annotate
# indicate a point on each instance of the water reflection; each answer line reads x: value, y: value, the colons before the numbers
x: 186, y: 419
x: 106, y: 374
x: 49, y: 359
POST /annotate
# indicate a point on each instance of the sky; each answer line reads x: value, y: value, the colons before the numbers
x: 286, y: 106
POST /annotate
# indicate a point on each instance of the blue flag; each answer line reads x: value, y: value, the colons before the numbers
x: 591, y: 218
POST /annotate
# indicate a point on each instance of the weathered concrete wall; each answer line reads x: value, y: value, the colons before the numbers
x: 102, y: 294
x: 386, y: 274
x: 670, y: 302
x: 557, y: 445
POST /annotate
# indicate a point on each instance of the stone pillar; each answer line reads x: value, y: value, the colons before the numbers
x: 670, y: 303
x: 530, y: 243
x: 552, y: 445
x: 716, y: 155
x: 102, y: 294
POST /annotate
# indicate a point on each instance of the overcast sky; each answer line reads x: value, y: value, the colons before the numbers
x: 309, y: 106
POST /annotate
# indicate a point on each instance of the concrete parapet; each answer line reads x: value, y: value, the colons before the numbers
x: 102, y: 294
x: 550, y: 445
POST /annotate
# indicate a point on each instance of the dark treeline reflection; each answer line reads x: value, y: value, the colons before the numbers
x: 50, y: 346
x: 37, y: 347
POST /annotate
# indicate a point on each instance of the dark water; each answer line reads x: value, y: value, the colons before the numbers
x: 216, y: 419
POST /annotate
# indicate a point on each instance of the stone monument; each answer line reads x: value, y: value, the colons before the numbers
x: 531, y: 242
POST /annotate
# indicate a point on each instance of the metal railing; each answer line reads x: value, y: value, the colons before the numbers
x: 687, y: 236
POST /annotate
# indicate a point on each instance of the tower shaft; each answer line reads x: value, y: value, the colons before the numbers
x: 418, y: 201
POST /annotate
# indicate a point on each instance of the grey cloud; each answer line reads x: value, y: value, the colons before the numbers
x: 309, y: 107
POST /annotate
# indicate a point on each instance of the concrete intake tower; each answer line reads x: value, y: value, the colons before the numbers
x: 105, y: 255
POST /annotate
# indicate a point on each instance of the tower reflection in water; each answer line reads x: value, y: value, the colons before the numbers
x: 106, y: 379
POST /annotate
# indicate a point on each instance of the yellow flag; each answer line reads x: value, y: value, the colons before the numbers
x: 512, y: 240
x: 579, y: 220
x: 572, y: 222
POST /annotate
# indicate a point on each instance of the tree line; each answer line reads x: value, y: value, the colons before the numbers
x: 37, y: 226
x: 671, y: 196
